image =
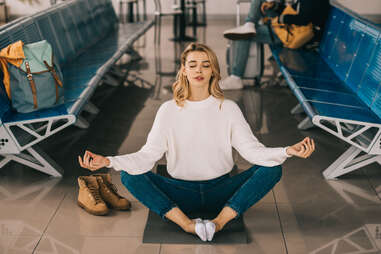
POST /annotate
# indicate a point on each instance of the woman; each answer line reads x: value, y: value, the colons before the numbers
x: 197, y: 130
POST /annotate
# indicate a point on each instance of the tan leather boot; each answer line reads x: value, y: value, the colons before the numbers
x: 109, y: 193
x: 89, y: 197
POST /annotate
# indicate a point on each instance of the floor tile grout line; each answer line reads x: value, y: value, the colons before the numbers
x: 160, y: 248
x: 46, y: 228
x: 280, y: 222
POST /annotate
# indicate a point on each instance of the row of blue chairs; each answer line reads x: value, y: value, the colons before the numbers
x: 87, y: 41
x: 339, y: 86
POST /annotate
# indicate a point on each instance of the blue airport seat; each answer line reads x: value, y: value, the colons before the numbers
x: 4, y: 40
x: 32, y: 32
x: 339, y: 86
x: 63, y: 36
x: 48, y: 33
x: 12, y: 117
x: 71, y: 29
x: 87, y: 40
x: 17, y: 34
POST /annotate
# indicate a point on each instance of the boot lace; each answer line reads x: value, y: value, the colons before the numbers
x: 113, y: 188
x: 95, y: 192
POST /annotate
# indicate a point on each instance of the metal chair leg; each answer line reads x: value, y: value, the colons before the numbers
x: 137, y: 11
x: 204, y: 13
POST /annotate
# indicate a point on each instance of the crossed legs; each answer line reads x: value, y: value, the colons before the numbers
x: 172, y: 199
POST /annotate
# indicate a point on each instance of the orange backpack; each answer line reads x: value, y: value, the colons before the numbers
x: 292, y: 36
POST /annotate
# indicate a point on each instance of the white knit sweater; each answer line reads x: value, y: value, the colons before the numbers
x: 198, y: 141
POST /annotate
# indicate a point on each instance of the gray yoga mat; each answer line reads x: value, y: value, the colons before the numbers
x: 159, y: 231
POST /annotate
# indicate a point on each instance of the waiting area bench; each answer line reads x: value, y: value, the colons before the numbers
x: 339, y: 86
x: 87, y: 40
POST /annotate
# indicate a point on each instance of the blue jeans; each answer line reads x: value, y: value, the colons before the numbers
x: 264, y: 35
x: 161, y: 194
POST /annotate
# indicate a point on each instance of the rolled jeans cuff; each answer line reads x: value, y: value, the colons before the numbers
x: 164, y: 211
x: 235, y: 208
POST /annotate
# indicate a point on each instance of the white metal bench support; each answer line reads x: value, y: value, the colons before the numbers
x: 298, y: 109
x: 111, y: 81
x: 305, y: 124
x: 349, y: 162
x: 135, y: 56
x: 116, y: 71
x: 37, y: 159
x: 4, y: 161
x: 91, y: 108
x: 48, y: 127
x: 81, y: 123
x: 356, y: 129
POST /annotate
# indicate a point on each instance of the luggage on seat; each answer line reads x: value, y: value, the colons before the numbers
x: 32, y: 77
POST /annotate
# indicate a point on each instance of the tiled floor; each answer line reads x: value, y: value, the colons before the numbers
x: 303, y: 214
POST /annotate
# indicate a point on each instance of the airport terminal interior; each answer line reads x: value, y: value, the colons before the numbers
x: 304, y: 212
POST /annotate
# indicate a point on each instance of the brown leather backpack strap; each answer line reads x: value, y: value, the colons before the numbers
x: 54, y: 74
x: 57, y: 93
x: 32, y: 84
x: 57, y: 80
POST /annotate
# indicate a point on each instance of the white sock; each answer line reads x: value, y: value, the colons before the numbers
x: 210, y: 228
x: 200, y: 229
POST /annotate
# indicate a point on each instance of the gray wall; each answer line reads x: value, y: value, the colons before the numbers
x: 363, y: 6
x: 214, y: 7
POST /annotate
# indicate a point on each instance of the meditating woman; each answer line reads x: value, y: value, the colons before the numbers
x: 196, y: 131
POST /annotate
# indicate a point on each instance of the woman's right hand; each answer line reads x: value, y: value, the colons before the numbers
x: 93, y: 161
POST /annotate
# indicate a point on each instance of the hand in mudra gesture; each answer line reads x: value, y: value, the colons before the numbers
x: 303, y: 149
x: 93, y: 161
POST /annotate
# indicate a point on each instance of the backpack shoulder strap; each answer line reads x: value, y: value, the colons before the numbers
x: 32, y: 84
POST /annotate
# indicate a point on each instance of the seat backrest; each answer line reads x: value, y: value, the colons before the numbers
x: 90, y: 21
x: 63, y: 35
x: 71, y: 27
x: 47, y: 30
x: 82, y: 18
x: 109, y: 13
x: 31, y: 31
x: 17, y: 33
x: 103, y: 13
x: 11, y: 23
x: 4, y: 39
x: 26, y: 31
x: 352, y: 48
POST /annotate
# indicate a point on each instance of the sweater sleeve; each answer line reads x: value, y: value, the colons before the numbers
x: 305, y: 15
x: 248, y: 146
x: 143, y: 161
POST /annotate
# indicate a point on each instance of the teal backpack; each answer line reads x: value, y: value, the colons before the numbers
x: 38, y: 82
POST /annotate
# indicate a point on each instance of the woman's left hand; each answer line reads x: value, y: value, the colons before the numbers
x: 303, y: 149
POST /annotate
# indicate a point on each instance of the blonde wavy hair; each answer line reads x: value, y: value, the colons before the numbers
x: 181, y: 88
